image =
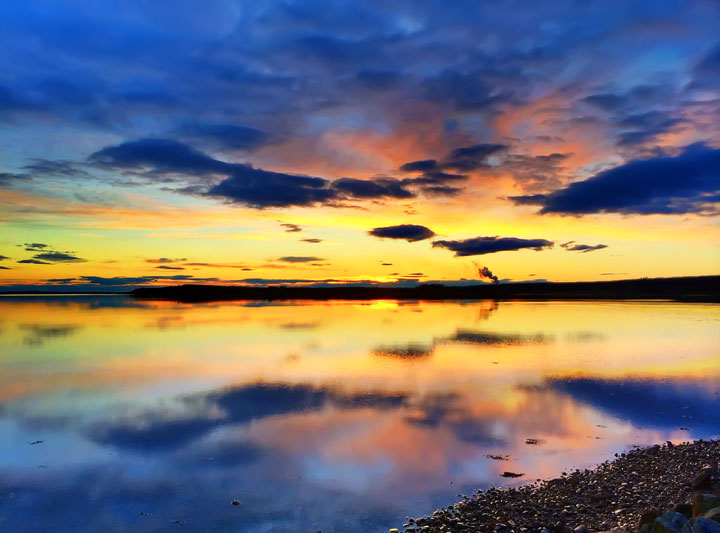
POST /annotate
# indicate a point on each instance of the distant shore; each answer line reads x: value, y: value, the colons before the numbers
x: 659, y: 489
x: 687, y: 289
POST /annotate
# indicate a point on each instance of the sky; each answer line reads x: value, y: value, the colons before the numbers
x: 355, y: 142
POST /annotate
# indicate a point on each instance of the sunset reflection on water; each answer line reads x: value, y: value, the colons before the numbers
x: 332, y: 416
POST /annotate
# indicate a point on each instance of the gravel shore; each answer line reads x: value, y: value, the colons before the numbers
x: 660, y: 489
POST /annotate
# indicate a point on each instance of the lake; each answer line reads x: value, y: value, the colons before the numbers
x: 122, y: 415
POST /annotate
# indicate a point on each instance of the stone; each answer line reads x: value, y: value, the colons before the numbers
x: 702, y: 480
x: 648, y: 516
x: 684, y: 508
x: 581, y: 529
x: 713, y: 514
x: 670, y: 522
x: 701, y: 525
x: 703, y: 502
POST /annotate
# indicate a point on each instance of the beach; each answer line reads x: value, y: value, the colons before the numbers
x: 651, y: 490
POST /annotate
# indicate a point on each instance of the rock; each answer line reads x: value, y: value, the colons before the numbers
x: 684, y: 508
x: 703, y: 502
x: 701, y: 525
x: 713, y: 514
x: 645, y: 528
x: 670, y: 522
x: 702, y: 480
x: 581, y: 529
x: 234, y: 502
x: 648, y: 516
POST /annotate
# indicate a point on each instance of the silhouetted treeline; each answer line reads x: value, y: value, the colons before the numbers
x: 691, y: 289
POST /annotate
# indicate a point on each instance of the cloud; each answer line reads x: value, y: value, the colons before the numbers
x: 9, y: 179
x: 3, y: 257
x: 419, y: 166
x: 686, y: 183
x: 584, y: 248
x: 58, y: 257
x: 312, y: 240
x: 291, y: 228
x: 5, y: 268
x: 161, y: 156
x: 529, y: 199
x: 35, y: 246
x: 409, y: 232
x: 643, y: 127
x: 167, y: 267
x: 489, y: 245
x: 299, y: 259
x: 57, y: 168
x: 163, y: 260
x: 259, y: 188
x: 372, y: 188
x: 33, y: 262
x: 606, y: 101
x: 168, y: 160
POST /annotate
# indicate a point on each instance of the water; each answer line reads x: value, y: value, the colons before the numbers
x: 327, y: 417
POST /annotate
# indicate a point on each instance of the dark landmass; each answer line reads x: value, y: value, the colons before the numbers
x: 688, y: 289
x: 659, y: 489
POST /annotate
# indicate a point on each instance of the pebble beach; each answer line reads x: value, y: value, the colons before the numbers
x: 659, y: 489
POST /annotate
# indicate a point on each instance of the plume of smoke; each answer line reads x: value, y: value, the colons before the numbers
x: 485, y: 272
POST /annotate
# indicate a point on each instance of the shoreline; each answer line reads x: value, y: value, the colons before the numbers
x: 657, y: 489
x: 700, y: 289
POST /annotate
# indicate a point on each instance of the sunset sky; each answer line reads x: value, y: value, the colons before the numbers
x: 295, y: 142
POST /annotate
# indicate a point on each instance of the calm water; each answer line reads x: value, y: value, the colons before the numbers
x: 326, y: 416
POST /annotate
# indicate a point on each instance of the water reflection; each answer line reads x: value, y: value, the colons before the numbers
x: 332, y: 416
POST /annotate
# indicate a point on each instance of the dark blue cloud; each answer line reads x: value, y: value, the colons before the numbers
x: 643, y: 127
x: 372, y: 188
x: 159, y: 156
x: 10, y: 179
x: 686, y: 183
x: 490, y: 245
x: 409, y: 232
x: 167, y: 159
x: 260, y: 188
x: 421, y: 166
